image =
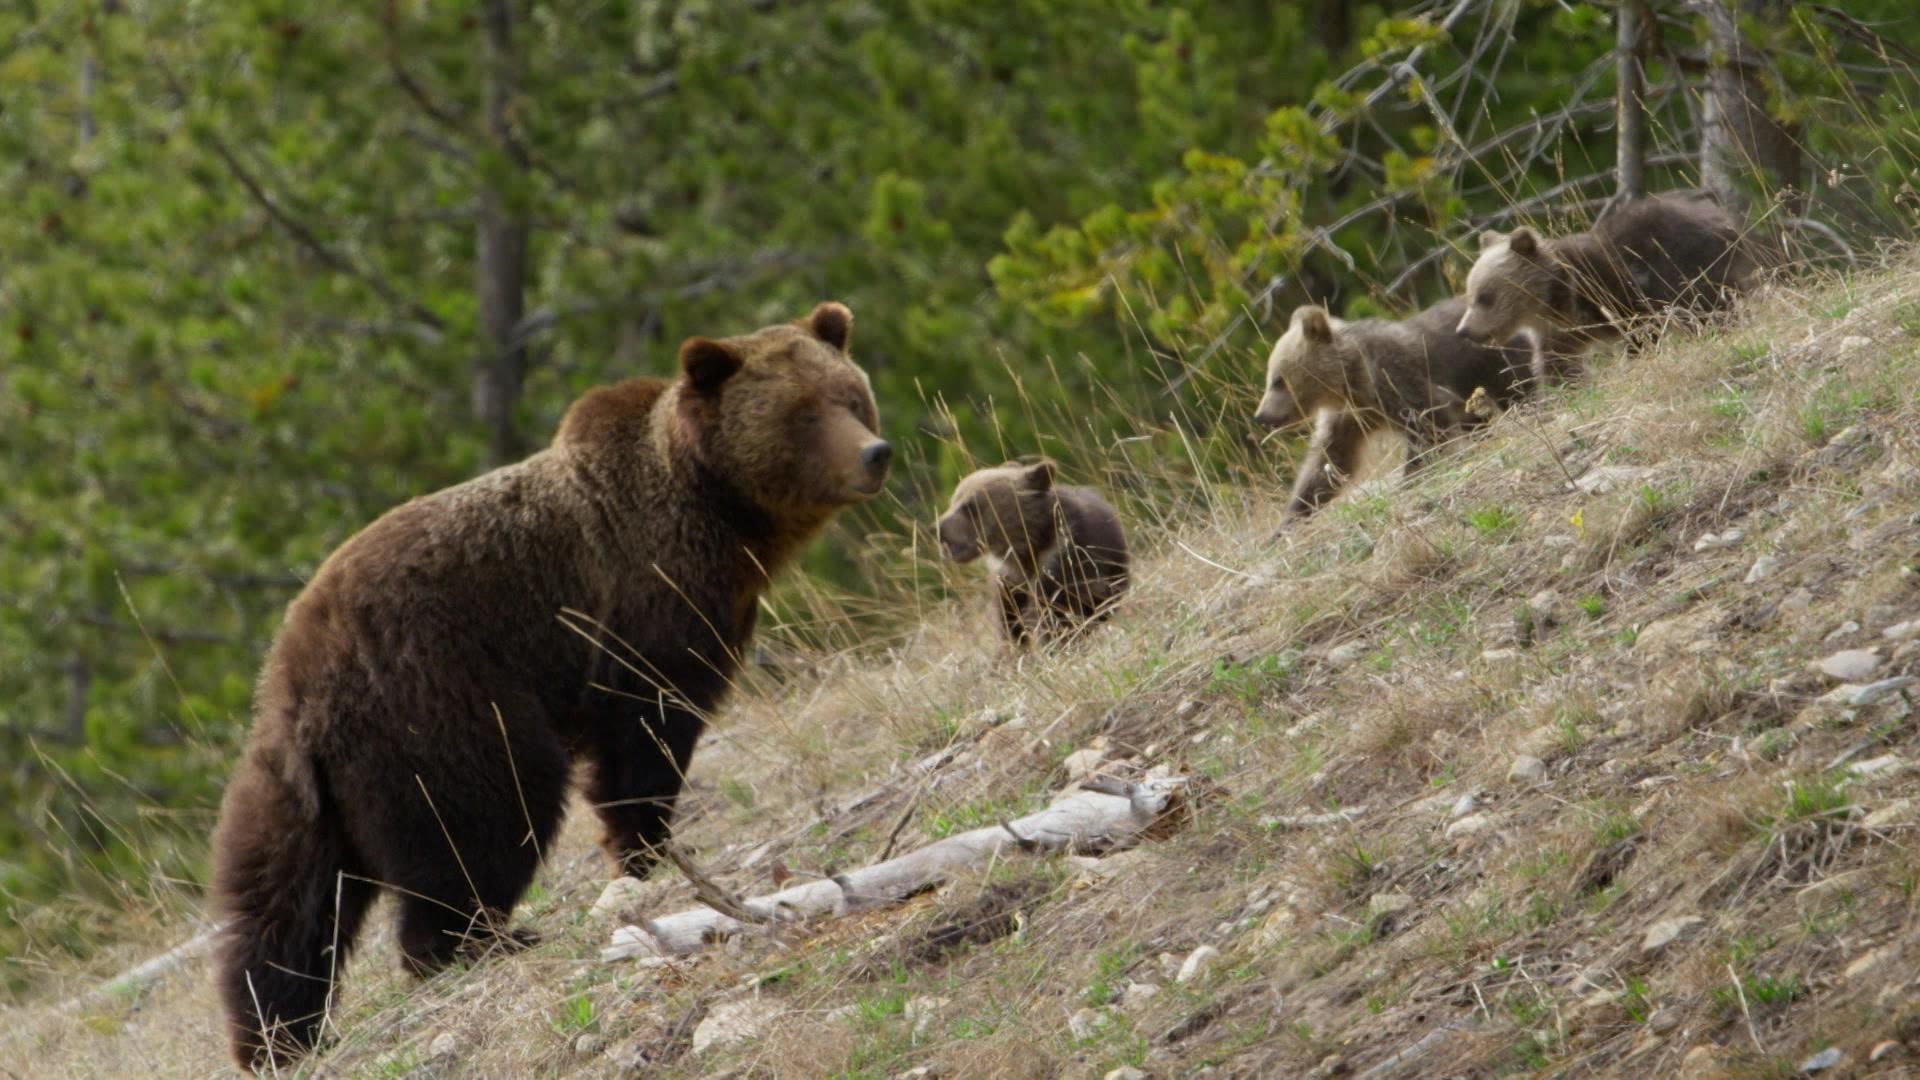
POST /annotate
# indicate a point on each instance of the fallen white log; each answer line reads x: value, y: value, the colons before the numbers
x: 1100, y: 816
x: 146, y: 971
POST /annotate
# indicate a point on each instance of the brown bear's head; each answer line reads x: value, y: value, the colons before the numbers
x: 782, y: 416
x: 1508, y: 287
x: 1313, y: 366
x: 1005, y: 513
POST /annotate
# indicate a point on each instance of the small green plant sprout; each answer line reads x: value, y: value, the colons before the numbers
x: 1493, y: 522
x: 574, y: 1015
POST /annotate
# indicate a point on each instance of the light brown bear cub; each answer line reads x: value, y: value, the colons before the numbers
x: 1058, y: 554
x: 1675, y: 254
x: 1354, y: 379
x: 423, y: 707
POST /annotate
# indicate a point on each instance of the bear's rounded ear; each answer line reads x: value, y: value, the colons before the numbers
x: 1491, y: 238
x: 708, y: 363
x: 832, y: 323
x: 1038, y: 477
x: 1312, y: 319
x: 1524, y: 241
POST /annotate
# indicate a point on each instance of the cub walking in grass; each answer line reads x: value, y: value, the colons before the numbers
x: 1059, y: 555
x: 1353, y: 379
x: 1675, y: 254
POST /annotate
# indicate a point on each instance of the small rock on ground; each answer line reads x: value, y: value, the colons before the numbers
x: 1469, y: 825
x: 921, y: 1012
x: 1341, y: 656
x: 1081, y: 763
x: 1137, y: 996
x: 1763, y: 568
x: 1850, y: 665
x: 588, y: 1045
x: 1527, y: 769
x: 1667, y: 931
x: 1387, y: 903
x: 1126, y: 1072
x: 732, y: 1022
x: 1825, y: 1059
x: 444, y: 1045
x: 621, y: 896
x: 1085, y: 1024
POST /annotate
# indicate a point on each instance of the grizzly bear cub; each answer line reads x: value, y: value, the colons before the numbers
x: 1354, y: 379
x: 421, y: 708
x: 1059, y: 555
x: 1678, y: 254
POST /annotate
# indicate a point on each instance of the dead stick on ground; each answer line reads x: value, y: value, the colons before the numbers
x: 1078, y: 820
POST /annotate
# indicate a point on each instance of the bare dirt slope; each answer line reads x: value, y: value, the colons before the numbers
x: 1526, y: 768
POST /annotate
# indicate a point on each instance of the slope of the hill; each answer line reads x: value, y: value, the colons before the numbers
x: 1527, y: 767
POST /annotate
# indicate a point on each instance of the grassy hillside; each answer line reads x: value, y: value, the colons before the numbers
x: 1601, y: 815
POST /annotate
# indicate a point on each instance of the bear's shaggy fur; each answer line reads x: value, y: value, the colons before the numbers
x: 1678, y: 254
x: 1058, y: 553
x: 421, y: 708
x: 1353, y: 379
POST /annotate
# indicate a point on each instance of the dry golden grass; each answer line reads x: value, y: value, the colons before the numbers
x: 1381, y: 658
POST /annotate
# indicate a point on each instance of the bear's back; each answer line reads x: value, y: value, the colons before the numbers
x: 1679, y: 248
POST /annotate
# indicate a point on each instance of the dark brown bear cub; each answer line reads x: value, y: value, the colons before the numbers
x: 421, y: 708
x: 1677, y: 254
x: 1058, y: 554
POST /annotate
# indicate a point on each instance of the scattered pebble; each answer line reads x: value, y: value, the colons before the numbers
x: 1469, y: 825
x: 444, y: 1045
x: 921, y: 1012
x: 1085, y: 1024
x: 1825, y: 1059
x: 1198, y: 963
x: 1604, y: 478
x: 732, y: 1022
x: 1527, y: 769
x: 1081, y: 763
x: 1498, y: 656
x: 1902, y: 631
x: 1763, y: 568
x: 1709, y: 541
x: 1388, y: 903
x: 1544, y: 606
x: 1125, y: 1072
x: 630, y: 1058
x: 1853, y: 343
x: 1845, y: 629
x: 1341, y: 656
x: 623, y: 895
x: 1137, y: 996
x: 1667, y: 931
x: 1462, y: 807
x: 1849, y: 665
x: 589, y: 1045
x: 1894, y: 813
x: 1869, y: 960
x: 1797, y: 601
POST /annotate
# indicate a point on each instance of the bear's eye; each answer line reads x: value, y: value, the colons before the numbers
x: 1483, y: 300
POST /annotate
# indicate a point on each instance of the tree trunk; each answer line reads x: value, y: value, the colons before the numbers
x: 1738, y: 136
x: 501, y: 266
x: 1630, y: 154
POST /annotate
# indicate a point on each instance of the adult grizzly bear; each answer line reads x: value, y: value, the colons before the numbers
x: 1058, y: 553
x: 1356, y: 378
x: 421, y: 708
x: 1674, y: 254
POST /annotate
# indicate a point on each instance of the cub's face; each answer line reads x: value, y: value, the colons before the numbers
x: 784, y: 416
x: 1306, y: 370
x: 998, y: 512
x: 1507, y: 288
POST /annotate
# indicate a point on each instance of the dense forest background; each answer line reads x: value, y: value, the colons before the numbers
x: 266, y: 272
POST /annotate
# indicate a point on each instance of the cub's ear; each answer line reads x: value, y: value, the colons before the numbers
x: 1312, y: 320
x: 1491, y: 238
x: 708, y: 363
x: 832, y: 323
x: 1038, y: 477
x: 1524, y: 241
